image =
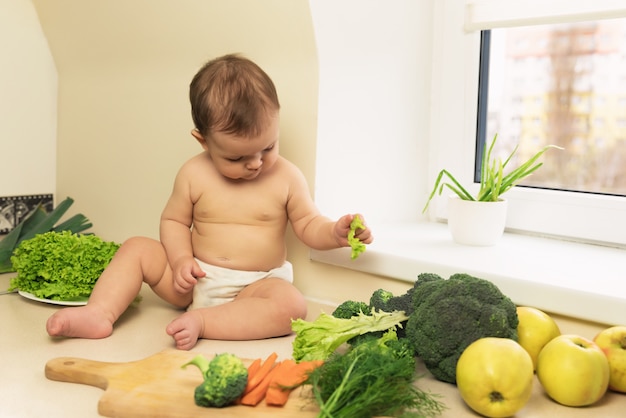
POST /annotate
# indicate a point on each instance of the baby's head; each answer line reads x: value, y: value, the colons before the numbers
x: 232, y: 94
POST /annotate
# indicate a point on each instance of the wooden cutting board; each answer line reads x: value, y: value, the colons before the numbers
x: 157, y: 387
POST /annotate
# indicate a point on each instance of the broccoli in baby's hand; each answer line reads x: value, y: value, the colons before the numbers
x: 451, y: 314
x: 357, y: 246
x: 225, y: 378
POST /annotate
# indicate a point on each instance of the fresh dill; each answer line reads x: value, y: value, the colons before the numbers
x: 374, y: 378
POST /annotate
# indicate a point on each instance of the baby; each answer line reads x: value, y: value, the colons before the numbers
x: 222, y: 251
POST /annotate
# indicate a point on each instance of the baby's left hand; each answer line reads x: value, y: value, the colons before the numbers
x: 342, y: 228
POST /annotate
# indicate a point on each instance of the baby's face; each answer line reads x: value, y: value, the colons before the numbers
x: 245, y: 158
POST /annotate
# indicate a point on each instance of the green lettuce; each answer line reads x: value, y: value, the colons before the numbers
x: 357, y: 246
x: 60, y: 265
x: 38, y: 221
x: 317, y: 340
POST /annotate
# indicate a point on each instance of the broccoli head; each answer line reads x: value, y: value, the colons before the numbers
x: 225, y: 378
x: 427, y: 277
x: 350, y: 308
x: 451, y: 314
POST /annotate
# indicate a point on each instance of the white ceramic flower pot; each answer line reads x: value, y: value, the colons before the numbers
x: 476, y: 223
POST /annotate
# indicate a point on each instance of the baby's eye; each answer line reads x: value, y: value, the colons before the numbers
x: 268, y: 149
x: 234, y: 160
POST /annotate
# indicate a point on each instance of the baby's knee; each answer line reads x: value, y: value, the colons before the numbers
x: 140, y: 244
x: 294, y: 308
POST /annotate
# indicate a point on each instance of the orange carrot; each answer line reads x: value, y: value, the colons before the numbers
x: 301, y: 371
x: 278, y: 391
x: 257, y: 394
x: 254, y: 367
x: 262, y: 371
x: 288, y: 378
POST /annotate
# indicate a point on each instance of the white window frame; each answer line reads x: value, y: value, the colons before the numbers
x: 579, y: 216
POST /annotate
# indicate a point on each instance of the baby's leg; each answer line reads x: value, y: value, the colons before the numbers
x: 263, y: 309
x: 138, y: 259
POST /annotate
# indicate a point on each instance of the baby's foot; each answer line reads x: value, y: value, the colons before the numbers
x: 82, y: 322
x: 186, y: 330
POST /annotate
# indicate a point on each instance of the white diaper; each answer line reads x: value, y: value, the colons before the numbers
x: 221, y: 285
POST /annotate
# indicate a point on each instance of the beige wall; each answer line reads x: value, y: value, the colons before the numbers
x: 124, y: 67
x: 28, y: 112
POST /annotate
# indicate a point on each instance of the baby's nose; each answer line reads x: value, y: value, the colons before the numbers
x: 255, y: 163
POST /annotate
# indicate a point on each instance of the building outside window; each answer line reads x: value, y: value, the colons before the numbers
x: 561, y: 84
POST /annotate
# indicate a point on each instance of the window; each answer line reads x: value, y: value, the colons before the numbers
x: 397, y: 102
x: 557, y: 211
x: 573, y: 101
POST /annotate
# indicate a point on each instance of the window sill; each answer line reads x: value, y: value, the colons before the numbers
x: 577, y: 280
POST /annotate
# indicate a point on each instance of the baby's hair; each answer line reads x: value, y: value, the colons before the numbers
x: 232, y: 94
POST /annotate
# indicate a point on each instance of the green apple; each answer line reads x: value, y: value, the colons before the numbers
x: 535, y: 329
x: 573, y: 370
x: 495, y: 376
x: 613, y: 342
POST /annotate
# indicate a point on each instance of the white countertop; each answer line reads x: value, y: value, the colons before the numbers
x: 25, y: 348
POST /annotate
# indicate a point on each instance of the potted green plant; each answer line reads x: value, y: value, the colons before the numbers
x: 479, y: 219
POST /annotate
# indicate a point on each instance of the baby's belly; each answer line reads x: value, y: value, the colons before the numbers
x: 252, y: 248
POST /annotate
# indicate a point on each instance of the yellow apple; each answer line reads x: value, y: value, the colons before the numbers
x: 573, y: 370
x: 613, y: 342
x: 535, y: 329
x: 495, y: 376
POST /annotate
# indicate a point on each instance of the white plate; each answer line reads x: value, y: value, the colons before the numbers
x: 53, y: 302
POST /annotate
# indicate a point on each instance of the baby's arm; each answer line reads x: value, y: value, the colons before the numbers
x: 321, y: 233
x: 175, y: 233
x: 314, y: 229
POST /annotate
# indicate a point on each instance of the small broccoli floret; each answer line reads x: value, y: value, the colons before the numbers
x: 225, y: 378
x: 384, y: 300
x: 402, y: 303
x: 350, y: 308
x: 386, y: 341
x: 390, y: 340
x: 451, y: 314
x: 380, y: 298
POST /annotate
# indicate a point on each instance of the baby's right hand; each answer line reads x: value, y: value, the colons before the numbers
x: 186, y: 273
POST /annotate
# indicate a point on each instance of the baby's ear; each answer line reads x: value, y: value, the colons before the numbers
x: 196, y: 134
